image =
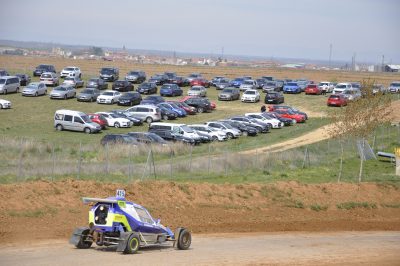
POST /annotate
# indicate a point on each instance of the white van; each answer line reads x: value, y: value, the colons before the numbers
x: 9, y: 84
x: 75, y: 121
x: 175, y: 129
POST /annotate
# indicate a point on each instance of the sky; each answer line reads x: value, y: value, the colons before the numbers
x: 305, y: 29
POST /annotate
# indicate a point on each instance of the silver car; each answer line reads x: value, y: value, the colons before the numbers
x: 35, y: 89
x: 63, y: 92
x: 49, y: 78
x: 88, y: 95
x: 148, y: 113
x: 197, y: 91
x: 74, y: 81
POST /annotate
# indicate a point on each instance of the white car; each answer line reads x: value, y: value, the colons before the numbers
x: 113, y: 120
x: 75, y: 81
x: 4, y: 104
x: 251, y: 96
x: 394, y: 87
x: 275, y: 123
x: 248, y: 85
x: 109, y: 97
x: 341, y: 87
x: 214, y: 133
x: 197, y: 91
x: 71, y: 71
x: 326, y: 86
x: 230, y: 131
x: 49, y: 78
x: 35, y: 89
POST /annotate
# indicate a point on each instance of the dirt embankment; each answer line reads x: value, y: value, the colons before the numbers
x: 44, y: 210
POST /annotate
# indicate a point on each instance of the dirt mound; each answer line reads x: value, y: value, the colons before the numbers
x: 44, y: 210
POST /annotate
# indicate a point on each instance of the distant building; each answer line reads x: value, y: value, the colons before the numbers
x: 392, y: 68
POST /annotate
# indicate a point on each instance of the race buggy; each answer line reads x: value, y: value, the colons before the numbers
x: 128, y: 226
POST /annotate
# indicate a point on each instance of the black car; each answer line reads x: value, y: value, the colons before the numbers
x: 147, y: 88
x: 148, y: 138
x: 201, y: 104
x: 43, y: 68
x: 3, y: 73
x: 169, y: 136
x: 24, y: 79
x: 97, y: 83
x: 130, y: 98
x: 170, y: 76
x: 122, y: 85
x: 123, y: 114
x: 167, y: 114
x: 118, y: 139
x: 153, y: 99
x: 109, y: 73
x: 159, y: 79
x: 204, y: 137
x: 136, y: 76
x: 274, y: 97
x: 246, y: 129
x: 261, y: 128
x: 180, y: 81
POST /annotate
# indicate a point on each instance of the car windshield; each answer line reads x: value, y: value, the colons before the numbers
x: 270, y: 84
x: 248, y: 82
x: 46, y: 76
x: 86, y: 118
x: 323, y: 84
x: 174, y: 105
x: 228, y: 91
x: 312, y: 86
x: 108, y: 93
x: 107, y: 71
x: 341, y: 86
x: 195, y: 89
x: 166, y: 87
x: 238, y: 79
x: 87, y: 92
x: 93, y: 80
x: 129, y: 94
x: 395, y: 84
x: 69, y: 78
x: 133, y: 73
x: 32, y: 86
x: 187, y: 129
x: 69, y: 69
x: 2, y: 81
x: 60, y: 89
x: 145, y: 85
x: 227, y: 125
x: 292, y: 84
x: 155, y: 137
x: 250, y: 92
x: 334, y: 97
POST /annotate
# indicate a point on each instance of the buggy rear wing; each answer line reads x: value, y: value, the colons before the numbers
x: 88, y: 200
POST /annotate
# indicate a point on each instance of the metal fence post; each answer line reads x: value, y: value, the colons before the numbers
x: 21, y: 154
x: 53, y: 156
x: 209, y: 158
x: 170, y: 162
x: 107, y: 159
x: 79, y: 161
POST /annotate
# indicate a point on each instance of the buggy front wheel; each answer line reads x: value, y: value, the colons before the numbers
x: 132, y: 245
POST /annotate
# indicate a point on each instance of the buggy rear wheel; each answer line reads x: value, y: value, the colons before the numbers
x: 184, y: 240
x: 132, y: 245
x: 84, y: 243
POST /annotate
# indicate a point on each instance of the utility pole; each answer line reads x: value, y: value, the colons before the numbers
x: 330, y: 55
x: 383, y: 63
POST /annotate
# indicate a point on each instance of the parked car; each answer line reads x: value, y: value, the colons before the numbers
x: 136, y: 76
x: 312, y: 89
x: 88, y: 95
x: 9, y: 84
x: 378, y: 89
x: 97, y: 83
x: 200, y: 82
x: 3, y: 73
x: 180, y: 81
x: 159, y: 79
x: 352, y: 95
x: 175, y: 137
x: 74, y: 121
x: 40, y: 69
x: 284, y: 120
x: 49, y: 78
x: 74, y: 81
x: 251, y: 95
x: 71, y: 71
x: 122, y: 139
x: 260, y: 83
x: 326, y: 86
x: 200, y: 104
x: 236, y: 82
x: 291, y: 87
x: 130, y: 98
x: 148, y: 113
x: 299, y: 118
x: 193, y: 76
x: 337, y: 100
x: 35, y: 89
x: 341, y: 87
x: 197, y: 91
x: 248, y: 121
x: 248, y: 85
x: 98, y: 119
x: 167, y: 114
x: 172, y: 107
x: 147, y: 88
x: 274, y: 97
x: 123, y: 113
x: 109, y: 73
x: 394, y: 87
x: 109, y: 97
x: 24, y: 79
x: 188, y: 109
x: 302, y: 84
x: 213, y: 133
x: 269, y: 78
x: 63, y: 92
x: 148, y: 138
x: 215, y: 80
x: 114, y: 120
x: 230, y: 131
x: 246, y: 130
x: 152, y: 100
x: 178, y: 129
x: 270, y: 86
x: 122, y: 86
x: 222, y: 84
x: 4, y: 104
x: 170, y: 90
x: 285, y: 107
x: 229, y: 94
x: 273, y: 122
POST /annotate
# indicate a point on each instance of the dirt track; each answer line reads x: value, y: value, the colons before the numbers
x: 343, y: 248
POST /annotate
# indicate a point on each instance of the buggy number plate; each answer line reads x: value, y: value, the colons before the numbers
x: 120, y: 194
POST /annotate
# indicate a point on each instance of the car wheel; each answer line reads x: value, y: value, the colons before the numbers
x: 200, y: 109
x: 112, y: 101
x: 36, y: 94
x: 45, y: 92
x: 117, y: 125
x: 59, y: 127
x: 5, y: 92
x: 65, y: 96
x: 214, y: 138
x: 17, y: 90
x: 229, y: 135
x: 1, y: 106
x: 132, y: 245
x: 87, y: 130
x: 245, y: 133
x: 165, y: 117
x: 184, y: 240
x: 84, y: 243
x: 149, y: 120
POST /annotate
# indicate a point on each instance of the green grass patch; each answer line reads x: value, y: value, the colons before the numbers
x: 354, y: 205
x: 318, y: 207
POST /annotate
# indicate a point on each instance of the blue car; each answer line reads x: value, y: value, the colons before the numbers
x: 237, y: 82
x: 114, y: 221
x: 170, y: 90
x: 180, y: 112
x: 152, y: 99
x: 291, y: 87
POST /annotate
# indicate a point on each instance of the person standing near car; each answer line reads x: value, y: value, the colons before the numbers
x: 263, y: 109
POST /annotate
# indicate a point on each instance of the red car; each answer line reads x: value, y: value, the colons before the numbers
x: 291, y: 115
x: 312, y: 89
x: 337, y: 100
x: 213, y: 105
x: 200, y: 82
x: 189, y: 109
x: 99, y: 119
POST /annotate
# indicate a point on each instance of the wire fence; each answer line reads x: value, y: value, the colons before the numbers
x: 329, y: 160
